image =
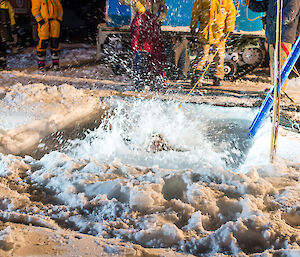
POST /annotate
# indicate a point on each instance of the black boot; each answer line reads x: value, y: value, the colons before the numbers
x: 55, y: 65
x: 217, y: 82
x: 55, y: 59
x: 3, y: 56
x: 139, y: 83
x: 42, y: 66
x: 3, y: 65
x: 41, y: 57
x: 157, y: 83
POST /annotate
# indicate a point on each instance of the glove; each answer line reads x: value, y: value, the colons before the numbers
x: 140, y: 7
x: 225, y: 36
x: 41, y: 22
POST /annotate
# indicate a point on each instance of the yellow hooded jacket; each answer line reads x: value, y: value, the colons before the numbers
x: 157, y: 7
x: 7, y: 5
x: 216, y: 17
x: 47, y: 9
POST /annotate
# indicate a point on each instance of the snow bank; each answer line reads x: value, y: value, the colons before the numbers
x: 6, y: 241
x: 195, y: 198
x: 218, y: 211
x: 55, y: 108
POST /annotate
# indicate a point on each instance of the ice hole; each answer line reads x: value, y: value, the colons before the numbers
x: 156, y: 133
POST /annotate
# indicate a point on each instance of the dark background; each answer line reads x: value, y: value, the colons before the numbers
x: 81, y: 18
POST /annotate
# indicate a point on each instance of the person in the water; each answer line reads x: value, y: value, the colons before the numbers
x: 158, y: 144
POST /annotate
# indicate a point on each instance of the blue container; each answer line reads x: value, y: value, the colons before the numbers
x: 117, y: 14
x: 179, y: 14
x: 244, y: 23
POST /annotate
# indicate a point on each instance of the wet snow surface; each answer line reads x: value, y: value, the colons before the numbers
x: 205, y: 190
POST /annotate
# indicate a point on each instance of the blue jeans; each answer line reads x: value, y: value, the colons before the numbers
x: 140, y: 62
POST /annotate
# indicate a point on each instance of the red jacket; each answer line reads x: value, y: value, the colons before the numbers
x: 147, y: 35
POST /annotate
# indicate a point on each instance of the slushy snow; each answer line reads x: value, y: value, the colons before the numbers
x: 212, y: 193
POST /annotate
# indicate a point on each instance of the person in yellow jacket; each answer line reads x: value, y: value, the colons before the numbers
x: 216, y: 19
x: 7, y: 25
x: 49, y: 15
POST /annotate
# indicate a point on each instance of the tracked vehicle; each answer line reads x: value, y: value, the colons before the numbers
x: 245, y: 50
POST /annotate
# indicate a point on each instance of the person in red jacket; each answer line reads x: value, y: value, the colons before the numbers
x: 49, y: 15
x: 147, y: 41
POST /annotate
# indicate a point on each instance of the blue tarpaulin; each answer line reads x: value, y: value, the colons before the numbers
x: 179, y: 14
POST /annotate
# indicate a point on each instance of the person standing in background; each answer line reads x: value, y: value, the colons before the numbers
x: 7, y: 26
x: 290, y: 21
x: 49, y: 15
x: 216, y: 19
x: 147, y: 41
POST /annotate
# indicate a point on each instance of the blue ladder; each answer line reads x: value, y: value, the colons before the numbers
x: 268, y: 102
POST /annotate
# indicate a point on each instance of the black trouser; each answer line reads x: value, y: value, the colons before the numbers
x: 2, y: 54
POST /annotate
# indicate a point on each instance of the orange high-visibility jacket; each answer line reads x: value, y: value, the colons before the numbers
x: 47, y: 9
x: 7, y: 5
x: 215, y: 18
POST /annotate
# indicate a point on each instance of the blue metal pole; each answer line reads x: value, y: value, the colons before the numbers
x: 267, y: 103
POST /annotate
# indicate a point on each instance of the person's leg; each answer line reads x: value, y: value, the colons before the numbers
x: 202, y: 57
x: 285, y: 50
x: 271, y: 55
x: 41, y: 53
x: 2, y: 55
x: 181, y: 52
x: 43, y: 32
x: 218, y: 63
x: 140, y: 69
x: 55, y: 43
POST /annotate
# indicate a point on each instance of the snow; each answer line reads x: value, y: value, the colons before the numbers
x: 213, y: 192
x: 6, y: 241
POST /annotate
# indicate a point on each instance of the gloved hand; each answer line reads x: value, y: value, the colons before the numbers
x: 41, y: 22
x: 226, y: 36
x: 140, y: 7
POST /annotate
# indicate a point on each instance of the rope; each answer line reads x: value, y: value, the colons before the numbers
x: 197, y: 83
x: 288, y: 123
x: 247, y: 10
x: 291, y: 99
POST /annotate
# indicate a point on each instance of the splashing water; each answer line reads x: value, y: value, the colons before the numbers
x: 110, y: 181
x: 196, y: 135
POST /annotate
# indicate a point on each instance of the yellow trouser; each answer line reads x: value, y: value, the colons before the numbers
x: 283, y: 57
x: 51, y: 29
x: 218, y: 63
